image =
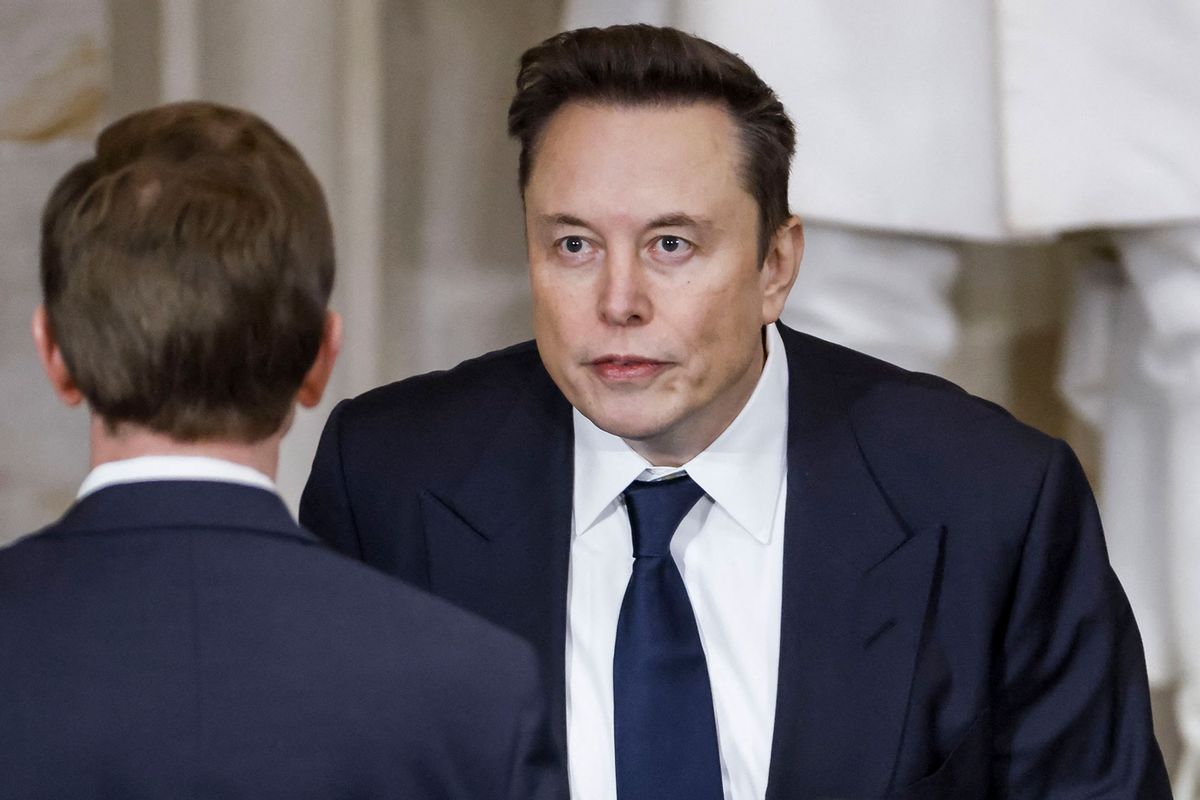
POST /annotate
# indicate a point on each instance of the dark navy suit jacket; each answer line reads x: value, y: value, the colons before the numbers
x: 951, y: 627
x: 184, y: 639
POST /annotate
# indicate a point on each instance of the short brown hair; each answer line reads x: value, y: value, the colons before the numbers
x: 647, y: 65
x: 186, y: 270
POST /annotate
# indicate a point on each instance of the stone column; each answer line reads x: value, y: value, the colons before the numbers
x: 311, y: 69
x: 54, y: 63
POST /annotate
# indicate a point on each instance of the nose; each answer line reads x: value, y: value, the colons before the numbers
x: 624, y: 299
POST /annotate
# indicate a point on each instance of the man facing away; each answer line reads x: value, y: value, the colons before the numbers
x: 753, y: 563
x: 176, y: 633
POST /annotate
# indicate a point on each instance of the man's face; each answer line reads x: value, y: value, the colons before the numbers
x: 648, y: 295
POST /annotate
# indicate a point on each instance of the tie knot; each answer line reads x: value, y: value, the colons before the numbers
x: 655, y: 510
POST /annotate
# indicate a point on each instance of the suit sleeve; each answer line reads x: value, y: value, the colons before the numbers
x: 325, y: 504
x: 538, y: 771
x: 1073, y: 715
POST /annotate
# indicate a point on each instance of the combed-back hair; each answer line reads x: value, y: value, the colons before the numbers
x: 637, y: 65
x: 186, y: 270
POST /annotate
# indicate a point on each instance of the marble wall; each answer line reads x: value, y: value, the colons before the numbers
x: 55, y: 78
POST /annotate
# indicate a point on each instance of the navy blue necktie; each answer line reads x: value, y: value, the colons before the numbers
x: 666, y: 731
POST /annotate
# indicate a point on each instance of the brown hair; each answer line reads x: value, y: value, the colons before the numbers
x: 185, y: 272
x: 646, y: 65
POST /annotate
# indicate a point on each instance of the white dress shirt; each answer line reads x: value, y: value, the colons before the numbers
x: 729, y: 549
x: 171, y: 468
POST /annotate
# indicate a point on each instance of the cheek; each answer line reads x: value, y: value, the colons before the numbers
x: 559, y: 292
x: 548, y: 302
x: 567, y: 298
x: 725, y: 337
x: 558, y: 330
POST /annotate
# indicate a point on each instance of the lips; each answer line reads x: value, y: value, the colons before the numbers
x: 626, y: 368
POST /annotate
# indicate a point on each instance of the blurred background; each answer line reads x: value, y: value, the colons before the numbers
x: 1004, y: 192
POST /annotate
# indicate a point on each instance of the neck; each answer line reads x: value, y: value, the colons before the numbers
x: 131, y: 441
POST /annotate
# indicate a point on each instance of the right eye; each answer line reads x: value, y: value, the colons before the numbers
x: 573, y: 246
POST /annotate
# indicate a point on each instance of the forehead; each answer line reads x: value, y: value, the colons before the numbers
x: 638, y: 157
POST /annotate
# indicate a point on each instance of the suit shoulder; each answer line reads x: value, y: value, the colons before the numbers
x: 307, y: 587
x: 18, y: 554
x: 932, y: 414
x: 915, y: 407
x: 398, y: 599
x: 401, y: 621
x: 934, y: 449
x: 477, y: 387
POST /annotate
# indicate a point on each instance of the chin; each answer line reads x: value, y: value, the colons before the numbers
x: 632, y: 425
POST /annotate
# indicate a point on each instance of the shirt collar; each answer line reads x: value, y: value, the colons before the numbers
x: 171, y: 468
x: 742, y: 471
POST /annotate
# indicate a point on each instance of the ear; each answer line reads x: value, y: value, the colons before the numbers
x: 780, y: 266
x: 313, y: 386
x: 52, y: 359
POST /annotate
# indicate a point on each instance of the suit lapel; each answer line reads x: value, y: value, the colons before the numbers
x: 499, y: 538
x: 856, y: 587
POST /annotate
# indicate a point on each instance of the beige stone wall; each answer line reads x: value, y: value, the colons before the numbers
x: 53, y: 86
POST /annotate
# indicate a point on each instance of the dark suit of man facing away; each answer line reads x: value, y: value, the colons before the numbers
x: 176, y: 633
x: 948, y: 624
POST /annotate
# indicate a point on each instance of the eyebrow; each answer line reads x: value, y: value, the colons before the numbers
x: 676, y: 219
x: 562, y: 219
x: 680, y: 219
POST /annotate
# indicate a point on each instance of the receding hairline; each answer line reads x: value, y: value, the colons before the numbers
x: 635, y: 104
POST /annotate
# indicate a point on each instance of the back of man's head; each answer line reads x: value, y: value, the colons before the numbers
x: 185, y: 272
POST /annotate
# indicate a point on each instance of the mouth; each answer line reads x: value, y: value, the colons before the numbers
x: 626, y: 368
